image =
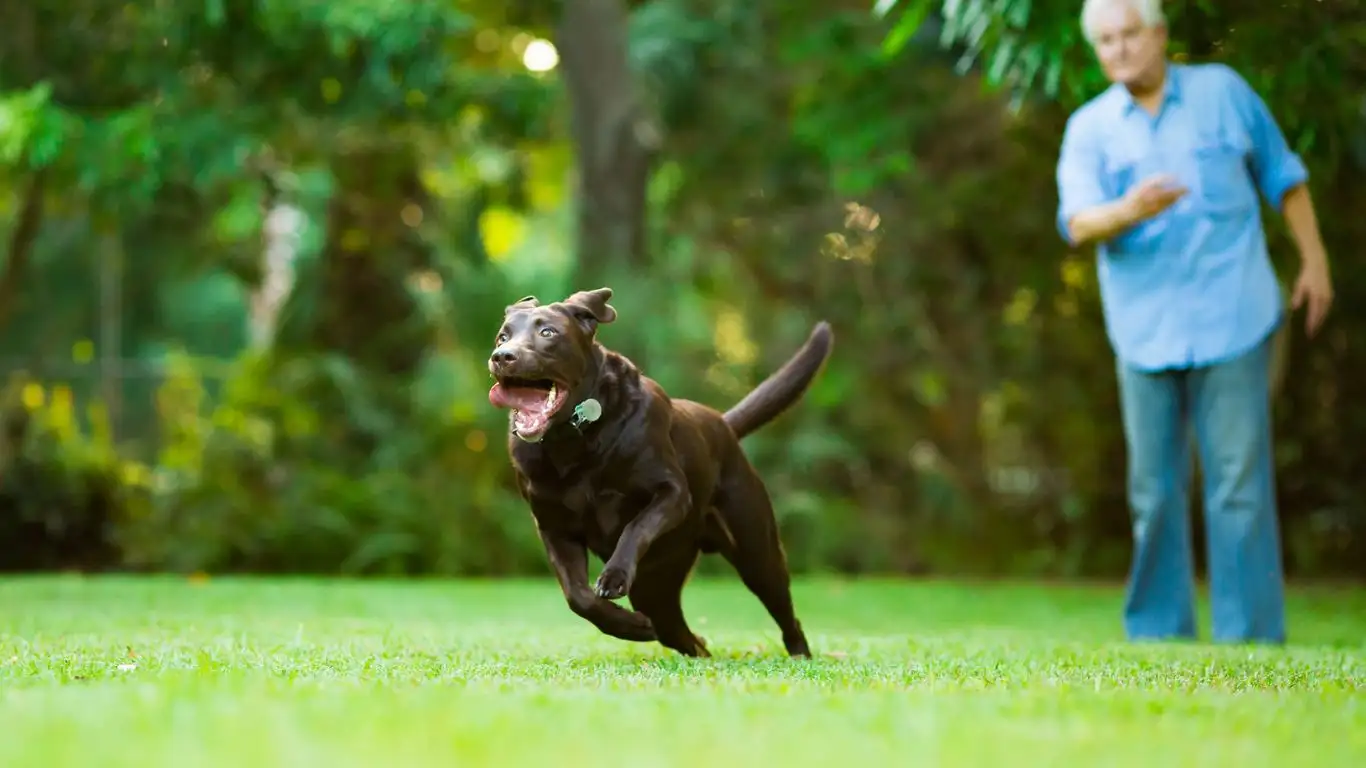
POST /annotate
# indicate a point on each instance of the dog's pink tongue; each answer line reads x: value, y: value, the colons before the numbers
x: 521, y: 398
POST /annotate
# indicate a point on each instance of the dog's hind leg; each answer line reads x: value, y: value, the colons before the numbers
x: 757, y: 553
x: 658, y: 594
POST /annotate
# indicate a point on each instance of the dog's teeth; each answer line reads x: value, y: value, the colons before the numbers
x: 550, y: 399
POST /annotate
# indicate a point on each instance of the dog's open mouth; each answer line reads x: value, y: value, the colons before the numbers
x: 534, y: 402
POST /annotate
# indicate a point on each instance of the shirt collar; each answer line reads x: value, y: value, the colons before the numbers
x: 1171, y: 93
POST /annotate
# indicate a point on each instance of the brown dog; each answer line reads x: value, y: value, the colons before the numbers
x: 609, y: 463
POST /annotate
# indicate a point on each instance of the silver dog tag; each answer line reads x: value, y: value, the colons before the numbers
x: 587, y: 412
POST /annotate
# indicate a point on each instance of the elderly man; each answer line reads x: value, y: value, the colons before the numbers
x: 1162, y: 173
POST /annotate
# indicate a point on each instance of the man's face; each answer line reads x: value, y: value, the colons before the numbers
x: 1128, y: 51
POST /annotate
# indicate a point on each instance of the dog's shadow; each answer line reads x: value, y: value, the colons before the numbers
x: 764, y: 662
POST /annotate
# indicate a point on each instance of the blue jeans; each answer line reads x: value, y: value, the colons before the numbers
x: 1228, y: 405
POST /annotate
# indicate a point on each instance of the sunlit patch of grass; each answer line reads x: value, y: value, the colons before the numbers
x: 172, y: 672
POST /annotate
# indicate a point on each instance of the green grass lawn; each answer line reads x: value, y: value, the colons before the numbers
x: 166, y: 672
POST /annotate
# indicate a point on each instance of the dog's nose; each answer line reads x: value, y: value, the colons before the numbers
x: 503, y: 356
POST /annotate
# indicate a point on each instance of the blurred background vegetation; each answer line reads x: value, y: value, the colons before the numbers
x: 254, y: 252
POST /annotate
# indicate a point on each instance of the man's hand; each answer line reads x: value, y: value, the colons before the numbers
x: 1314, y: 290
x: 1152, y: 196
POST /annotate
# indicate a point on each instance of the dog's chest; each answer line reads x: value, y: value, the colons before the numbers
x: 599, y: 510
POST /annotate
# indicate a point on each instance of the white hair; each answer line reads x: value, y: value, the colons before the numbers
x: 1150, y: 11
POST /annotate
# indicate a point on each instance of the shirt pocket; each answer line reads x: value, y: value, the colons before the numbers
x: 1122, y: 172
x: 1225, y: 180
x: 1119, y: 174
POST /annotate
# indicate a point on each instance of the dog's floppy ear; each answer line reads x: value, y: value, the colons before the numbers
x: 526, y: 302
x: 592, y: 306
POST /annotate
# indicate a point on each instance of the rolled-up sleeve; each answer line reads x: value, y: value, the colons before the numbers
x: 1276, y: 167
x: 1079, y: 172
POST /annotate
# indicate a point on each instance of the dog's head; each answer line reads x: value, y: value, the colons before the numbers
x: 543, y: 355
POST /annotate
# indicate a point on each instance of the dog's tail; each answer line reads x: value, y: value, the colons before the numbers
x: 779, y: 391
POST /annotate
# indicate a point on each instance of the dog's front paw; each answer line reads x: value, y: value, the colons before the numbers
x: 643, y: 629
x: 700, y: 647
x: 614, y: 581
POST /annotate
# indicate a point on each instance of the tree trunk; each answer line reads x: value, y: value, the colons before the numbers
x: 372, y: 247
x: 22, y: 239
x: 615, y: 140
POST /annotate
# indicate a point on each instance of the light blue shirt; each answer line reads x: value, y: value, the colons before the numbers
x: 1193, y: 285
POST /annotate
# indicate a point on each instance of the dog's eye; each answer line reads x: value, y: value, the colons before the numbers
x: 547, y: 332
x: 502, y: 338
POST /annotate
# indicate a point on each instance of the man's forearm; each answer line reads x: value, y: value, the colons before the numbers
x: 1298, y: 208
x: 1100, y: 223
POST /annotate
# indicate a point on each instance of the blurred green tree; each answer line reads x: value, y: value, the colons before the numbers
x: 733, y: 170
